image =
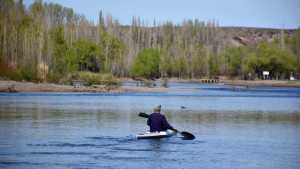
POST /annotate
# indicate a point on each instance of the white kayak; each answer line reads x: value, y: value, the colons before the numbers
x: 155, y: 135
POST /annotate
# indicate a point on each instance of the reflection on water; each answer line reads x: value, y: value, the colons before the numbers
x: 234, y: 128
x: 201, y: 98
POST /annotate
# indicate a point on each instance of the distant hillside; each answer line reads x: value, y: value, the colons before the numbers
x: 241, y: 36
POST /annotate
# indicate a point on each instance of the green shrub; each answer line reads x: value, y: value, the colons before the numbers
x: 92, y: 78
x: 28, y: 74
x: 146, y: 64
x: 18, y: 74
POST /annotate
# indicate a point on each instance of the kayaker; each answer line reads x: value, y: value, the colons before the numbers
x: 158, y: 121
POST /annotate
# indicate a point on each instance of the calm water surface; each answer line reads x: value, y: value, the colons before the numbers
x: 235, y: 127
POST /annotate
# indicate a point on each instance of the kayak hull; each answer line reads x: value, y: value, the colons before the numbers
x: 155, y: 135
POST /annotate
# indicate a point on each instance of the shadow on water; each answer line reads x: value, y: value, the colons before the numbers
x: 180, y: 116
x: 117, y: 149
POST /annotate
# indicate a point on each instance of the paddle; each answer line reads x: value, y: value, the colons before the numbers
x: 186, y: 135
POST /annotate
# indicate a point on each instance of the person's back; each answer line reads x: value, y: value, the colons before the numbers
x: 158, y: 122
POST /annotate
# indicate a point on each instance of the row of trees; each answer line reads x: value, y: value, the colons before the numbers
x: 47, y: 41
x: 248, y: 63
x: 242, y: 62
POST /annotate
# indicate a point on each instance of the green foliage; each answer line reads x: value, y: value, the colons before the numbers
x: 241, y: 61
x: 18, y: 74
x: 180, y: 66
x: 146, y: 64
x: 84, y: 55
x: 165, y: 68
x: 71, y: 60
x: 233, y: 60
x: 269, y: 57
x: 213, y: 66
x: 28, y: 74
x: 88, y: 56
x: 60, y: 50
x: 199, y: 62
x: 8, y: 73
x: 113, y: 50
x: 92, y: 78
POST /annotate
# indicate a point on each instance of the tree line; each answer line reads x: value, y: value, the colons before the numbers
x: 47, y: 42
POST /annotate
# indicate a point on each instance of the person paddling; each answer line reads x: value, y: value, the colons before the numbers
x: 158, y: 121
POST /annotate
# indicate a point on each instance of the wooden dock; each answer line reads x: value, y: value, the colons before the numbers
x: 210, y: 80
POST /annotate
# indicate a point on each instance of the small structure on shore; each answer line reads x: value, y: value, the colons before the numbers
x: 266, y: 75
x: 144, y: 82
x: 12, y: 89
x: 209, y: 80
x: 78, y: 83
x: 292, y: 76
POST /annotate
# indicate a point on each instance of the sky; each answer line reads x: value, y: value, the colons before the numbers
x: 283, y: 14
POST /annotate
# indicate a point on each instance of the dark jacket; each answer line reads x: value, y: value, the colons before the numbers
x: 158, y: 122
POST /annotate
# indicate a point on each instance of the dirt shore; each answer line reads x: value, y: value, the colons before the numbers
x: 14, y: 86
x: 272, y: 83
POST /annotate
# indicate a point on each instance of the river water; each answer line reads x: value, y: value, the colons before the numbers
x: 235, y: 127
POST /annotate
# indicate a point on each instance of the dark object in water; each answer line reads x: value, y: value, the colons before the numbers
x: 187, y: 135
x: 182, y: 107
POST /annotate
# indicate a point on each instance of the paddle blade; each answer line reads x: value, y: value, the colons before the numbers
x: 187, y: 135
x: 142, y: 114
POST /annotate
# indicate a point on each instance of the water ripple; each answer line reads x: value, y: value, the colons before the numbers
x: 141, y: 149
x: 71, y: 145
x: 60, y: 153
x: 18, y: 163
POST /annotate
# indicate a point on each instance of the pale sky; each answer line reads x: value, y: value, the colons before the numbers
x: 250, y: 13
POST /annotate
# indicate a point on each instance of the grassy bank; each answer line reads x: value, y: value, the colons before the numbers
x: 272, y: 83
x: 15, y: 86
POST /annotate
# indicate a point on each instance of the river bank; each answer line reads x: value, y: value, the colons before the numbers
x: 249, y: 83
x: 14, y: 86
x: 269, y: 83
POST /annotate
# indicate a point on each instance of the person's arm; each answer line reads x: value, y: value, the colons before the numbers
x: 166, y: 124
x: 148, y: 121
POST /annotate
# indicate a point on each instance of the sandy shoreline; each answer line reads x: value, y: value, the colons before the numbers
x: 271, y: 83
x: 14, y: 86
